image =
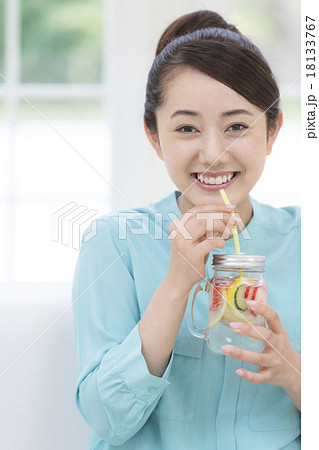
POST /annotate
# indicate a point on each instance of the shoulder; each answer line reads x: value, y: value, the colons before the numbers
x: 282, y: 220
x: 116, y: 225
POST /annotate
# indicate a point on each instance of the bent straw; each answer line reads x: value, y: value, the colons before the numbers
x: 234, y: 228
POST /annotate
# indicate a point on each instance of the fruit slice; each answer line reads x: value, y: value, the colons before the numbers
x: 217, y: 306
x: 242, y: 289
x: 218, y: 291
x: 244, y: 293
x: 238, y: 281
x: 229, y: 316
x: 240, y: 309
x: 251, y: 292
x: 240, y: 297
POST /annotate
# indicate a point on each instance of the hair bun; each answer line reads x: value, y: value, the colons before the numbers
x: 192, y: 22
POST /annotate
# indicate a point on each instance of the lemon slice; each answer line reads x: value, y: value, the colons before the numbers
x: 237, y: 297
x: 218, y: 306
x: 240, y: 280
x: 229, y: 316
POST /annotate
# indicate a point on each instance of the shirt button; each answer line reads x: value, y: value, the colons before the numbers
x: 152, y: 389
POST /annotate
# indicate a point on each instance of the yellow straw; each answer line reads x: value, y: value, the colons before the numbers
x: 234, y: 228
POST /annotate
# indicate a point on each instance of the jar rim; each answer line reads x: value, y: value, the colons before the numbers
x: 239, y: 261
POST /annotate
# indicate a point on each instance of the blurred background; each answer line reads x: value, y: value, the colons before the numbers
x: 71, y: 114
x: 72, y: 85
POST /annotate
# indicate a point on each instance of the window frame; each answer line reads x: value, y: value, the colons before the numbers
x: 12, y: 91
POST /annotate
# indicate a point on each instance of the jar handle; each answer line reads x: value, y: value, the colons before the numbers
x: 199, y: 286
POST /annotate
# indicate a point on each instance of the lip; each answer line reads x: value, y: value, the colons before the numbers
x: 215, y: 187
x: 216, y: 174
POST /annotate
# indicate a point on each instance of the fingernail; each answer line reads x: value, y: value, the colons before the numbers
x: 240, y: 372
x: 227, y: 349
x: 230, y: 206
x: 236, y: 325
x: 237, y: 219
x: 252, y: 304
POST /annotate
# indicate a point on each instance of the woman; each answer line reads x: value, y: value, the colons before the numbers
x: 143, y: 381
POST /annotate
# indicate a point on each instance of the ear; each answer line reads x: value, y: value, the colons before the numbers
x: 154, y: 140
x: 273, y: 132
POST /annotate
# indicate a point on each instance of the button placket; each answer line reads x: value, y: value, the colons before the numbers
x: 226, y: 414
x: 152, y: 389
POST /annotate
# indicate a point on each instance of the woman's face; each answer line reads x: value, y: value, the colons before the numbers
x: 205, y: 125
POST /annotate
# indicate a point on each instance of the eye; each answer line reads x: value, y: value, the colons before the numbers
x: 237, y: 127
x: 187, y: 129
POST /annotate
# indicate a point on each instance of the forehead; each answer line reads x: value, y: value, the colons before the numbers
x: 192, y: 89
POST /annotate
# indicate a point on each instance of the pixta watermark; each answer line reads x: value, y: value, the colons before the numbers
x: 154, y: 224
x: 69, y: 222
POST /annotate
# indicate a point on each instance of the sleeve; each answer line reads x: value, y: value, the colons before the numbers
x: 115, y: 392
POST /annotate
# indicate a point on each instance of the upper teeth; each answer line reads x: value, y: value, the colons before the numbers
x: 212, y: 180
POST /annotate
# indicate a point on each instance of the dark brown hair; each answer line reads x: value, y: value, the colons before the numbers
x: 204, y: 41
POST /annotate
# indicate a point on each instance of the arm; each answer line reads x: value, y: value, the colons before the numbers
x: 160, y: 324
x: 115, y: 392
x: 293, y: 387
x: 120, y: 375
x: 162, y: 318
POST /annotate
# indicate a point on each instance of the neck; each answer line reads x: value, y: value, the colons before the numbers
x: 245, y: 212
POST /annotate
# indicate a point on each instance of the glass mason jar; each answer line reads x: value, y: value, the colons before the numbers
x: 237, y: 278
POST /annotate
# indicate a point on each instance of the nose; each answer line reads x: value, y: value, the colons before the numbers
x: 213, y: 151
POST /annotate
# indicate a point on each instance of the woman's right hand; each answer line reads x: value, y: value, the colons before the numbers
x: 193, y: 236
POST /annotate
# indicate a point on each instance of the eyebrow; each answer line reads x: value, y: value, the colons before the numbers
x: 233, y: 112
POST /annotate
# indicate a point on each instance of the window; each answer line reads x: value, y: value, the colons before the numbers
x: 53, y: 129
x: 275, y: 28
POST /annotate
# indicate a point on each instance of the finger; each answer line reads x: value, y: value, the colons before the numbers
x: 253, y: 377
x: 203, y: 222
x: 218, y: 228
x: 213, y: 207
x: 234, y: 221
x: 208, y: 245
x: 224, y: 218
x: 269, y: 314
x: 226, y: 233
x: 231, y: 216
x: 253, y: 331
x: 187, y: 227
x: 259, y: 359
x: 214, y: 221
x: 211, y: 234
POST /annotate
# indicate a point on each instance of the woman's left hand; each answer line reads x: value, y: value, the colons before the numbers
x: 279, y: 364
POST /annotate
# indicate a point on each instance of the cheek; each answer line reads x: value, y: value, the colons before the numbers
x: 251, y: 152
x: 179, y: 151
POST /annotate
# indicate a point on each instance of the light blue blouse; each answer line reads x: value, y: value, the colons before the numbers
x: 199, y: 402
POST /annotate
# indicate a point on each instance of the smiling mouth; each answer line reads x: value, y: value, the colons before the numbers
x: 219, y: 180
